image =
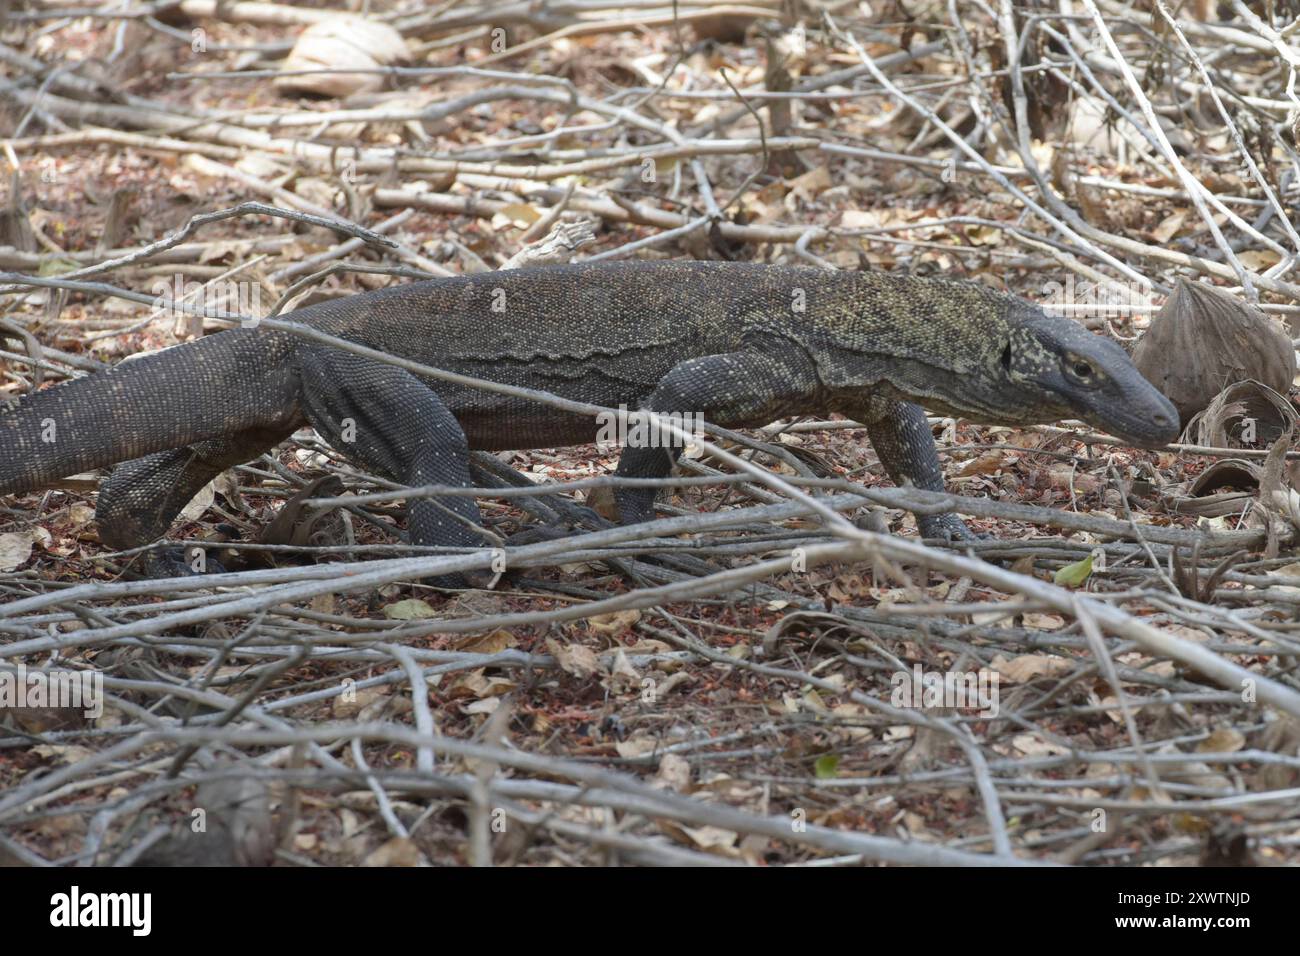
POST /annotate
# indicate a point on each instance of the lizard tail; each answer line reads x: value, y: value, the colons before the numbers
x: 216, y: 386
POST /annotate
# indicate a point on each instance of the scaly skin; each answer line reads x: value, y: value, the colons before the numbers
x: 740, y: 344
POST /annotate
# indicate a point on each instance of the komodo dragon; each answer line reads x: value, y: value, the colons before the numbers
x: 741, y: 344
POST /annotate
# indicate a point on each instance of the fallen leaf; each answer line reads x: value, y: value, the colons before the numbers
x: 574, y: 659
x: 1073, y: 575
x: 1168, y: 227
x: 15, y: 549
x: 623, y: 668
x: 613, y: 623
x: 412, y: 609
x: 1026, y: 667
x: 199, y: 504
x: 637, y: 746
x: 674, y: 773
x: 494, y: 643
x: 1045, y: 622
x: 989, y: 463
x: 399, y: 851
x: 351, y: 704
x: 811, y: 183
x: 1222, y: 741
x: 1034, y: 746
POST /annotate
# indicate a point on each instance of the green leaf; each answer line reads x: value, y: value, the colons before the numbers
x: 54, y: 267
x: 412, y: 609
x: 827, y: 767
x: 1072, y: 575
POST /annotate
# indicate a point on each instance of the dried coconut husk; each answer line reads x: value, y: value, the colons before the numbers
x: 1221, y: 424
x: 1205, y: 339
x: 1237, y: 489
x: 338, y: 43
x: 1227, y: 487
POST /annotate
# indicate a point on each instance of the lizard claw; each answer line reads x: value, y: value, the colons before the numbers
x: 459, y: 580
x: 535, y: 534
x: 175, y: 562
x: 482, y: 578
x: 947, y: 528
x: 580, y: 516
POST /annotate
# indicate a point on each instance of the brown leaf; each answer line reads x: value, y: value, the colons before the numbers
x: 1168, y: 227
x: 574, y: 658
x: 614, y: 623
x: 989, y: 463
x: 494, y: 643
x: 399, y: 851
x: 1028, y: 666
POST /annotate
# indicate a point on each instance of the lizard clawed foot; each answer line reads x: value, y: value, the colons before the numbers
x: 178, y: 562
x: 536, y: 534
x: 460, y: 580
x: 947, y: 528
x: 586, y: 518
x: 484, y: 579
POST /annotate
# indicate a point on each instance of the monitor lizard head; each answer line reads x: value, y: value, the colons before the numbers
x: 1060, y: 364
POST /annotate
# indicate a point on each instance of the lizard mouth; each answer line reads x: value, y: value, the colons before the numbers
x: 1153, y: 427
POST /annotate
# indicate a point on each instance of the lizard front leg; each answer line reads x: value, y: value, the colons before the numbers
x: 733, y: 389
x: 902, y: 438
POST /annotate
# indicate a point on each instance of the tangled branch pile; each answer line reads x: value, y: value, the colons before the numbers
x: 732, y: 682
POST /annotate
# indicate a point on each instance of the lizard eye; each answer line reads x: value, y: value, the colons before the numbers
x: 1006, y: 356
x: 1081, y: 370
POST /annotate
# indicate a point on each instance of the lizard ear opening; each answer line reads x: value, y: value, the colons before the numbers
x: 1006, y: 357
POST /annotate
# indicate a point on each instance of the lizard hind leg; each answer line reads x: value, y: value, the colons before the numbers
x: 141, y: 498
x: 388, y: 420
